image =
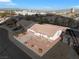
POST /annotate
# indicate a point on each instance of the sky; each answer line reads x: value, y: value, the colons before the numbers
x: 39, y: 4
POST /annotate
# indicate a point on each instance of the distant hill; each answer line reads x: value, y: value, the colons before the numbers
x: 58, y: 11
x: 67, y: 10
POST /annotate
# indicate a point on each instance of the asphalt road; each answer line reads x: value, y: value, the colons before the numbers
x: 8, y: 50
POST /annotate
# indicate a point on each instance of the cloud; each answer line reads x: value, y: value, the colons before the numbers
x: 77, y: 6
x: 5, y: 0
x: 10, y: 4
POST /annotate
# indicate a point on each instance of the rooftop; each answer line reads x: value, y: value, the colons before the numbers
x: 2, y: 20
x: 41, y: 38
x: 47, y: 29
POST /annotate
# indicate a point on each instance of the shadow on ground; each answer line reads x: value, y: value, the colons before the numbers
x: 8, y: 50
